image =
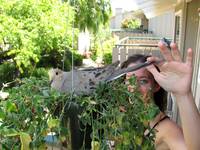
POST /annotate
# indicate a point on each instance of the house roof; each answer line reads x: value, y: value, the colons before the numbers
x: 152, y: 8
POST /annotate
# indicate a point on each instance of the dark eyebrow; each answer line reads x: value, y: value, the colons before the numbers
x: 144, y: 77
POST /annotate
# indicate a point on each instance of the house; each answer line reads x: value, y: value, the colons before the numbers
x: 116, y: 20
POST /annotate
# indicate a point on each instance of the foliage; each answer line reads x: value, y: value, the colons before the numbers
x: 34, y: 29
x: 76, y: 57
x: 40, y: 73
x: 131, y: 23
x: 107, y: 58
x: 91, y: 14
x: 29, y: 114
x: 8, y: 72
x: 102, y: 45
x: 125, y: 126
x: 56, y: 59
x: 38, y: 33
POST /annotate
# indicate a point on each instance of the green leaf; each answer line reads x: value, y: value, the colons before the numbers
x: 2, y: 114
x: 53, y: 123
x: 95, y: 145
x: 126, y: 138
x: 25, y: 141
x: 8, y: 132
x: 11, y: 107
x: 120, y: 118
x: 45, y: 93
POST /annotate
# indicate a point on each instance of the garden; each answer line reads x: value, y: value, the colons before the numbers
x: 36, y: 36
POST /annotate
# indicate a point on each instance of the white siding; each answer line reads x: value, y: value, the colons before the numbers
x: 163, y: 25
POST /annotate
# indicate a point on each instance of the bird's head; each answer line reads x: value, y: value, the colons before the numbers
x: 55, y: 75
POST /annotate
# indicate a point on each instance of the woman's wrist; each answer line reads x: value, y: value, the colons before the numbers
x: 183, y: 96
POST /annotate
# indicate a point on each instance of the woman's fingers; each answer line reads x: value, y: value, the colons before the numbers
x: 189, y: 57
x: 175, y: 52
x: 158, y: 62
x: 154, y: 71
x: 165, y: 52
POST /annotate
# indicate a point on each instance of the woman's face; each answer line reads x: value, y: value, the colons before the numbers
x: 145, y: 80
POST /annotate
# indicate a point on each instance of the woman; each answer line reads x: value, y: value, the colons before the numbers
x: 175, y: 76
x: 168, y: 134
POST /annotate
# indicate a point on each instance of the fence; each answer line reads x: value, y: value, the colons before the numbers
x: 123, y: 33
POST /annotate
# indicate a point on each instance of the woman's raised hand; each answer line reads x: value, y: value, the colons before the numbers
x: 175, y: 75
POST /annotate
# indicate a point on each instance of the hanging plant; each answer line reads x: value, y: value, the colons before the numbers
x: 121, y: 115
x: 115, y: 115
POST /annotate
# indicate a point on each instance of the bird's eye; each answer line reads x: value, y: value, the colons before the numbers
x: 56, y: 73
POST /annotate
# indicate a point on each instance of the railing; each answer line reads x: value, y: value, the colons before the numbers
x: 141, y: 40
x: 131, y: 33
x: 122, y: 51
x: 136, y: 45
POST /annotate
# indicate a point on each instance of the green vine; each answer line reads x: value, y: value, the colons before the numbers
x: 29, y: 114
x: 126, y: 128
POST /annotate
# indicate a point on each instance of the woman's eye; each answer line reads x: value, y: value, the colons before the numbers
x: 142, y: 82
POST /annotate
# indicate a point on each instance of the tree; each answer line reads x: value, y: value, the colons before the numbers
x: 90, y: 14
x: 34, y: 29
x: 131, y: 23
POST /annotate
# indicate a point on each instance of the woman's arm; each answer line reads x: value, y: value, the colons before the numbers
x: 172, y: 135
x: 176, y: 76
x: 190, y: 120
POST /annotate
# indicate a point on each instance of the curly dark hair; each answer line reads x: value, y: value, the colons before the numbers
x: 160, y: 97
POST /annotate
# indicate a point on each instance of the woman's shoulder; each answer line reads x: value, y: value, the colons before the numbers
x: 168, y: 128
x: 169, y: 132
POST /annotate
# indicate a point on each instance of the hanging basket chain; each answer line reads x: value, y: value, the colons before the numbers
x: 72, y: 71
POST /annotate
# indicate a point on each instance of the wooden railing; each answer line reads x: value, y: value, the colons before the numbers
x: 131, y: 33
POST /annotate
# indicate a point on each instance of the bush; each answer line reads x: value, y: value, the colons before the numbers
x: 40, y: 73
x: 8, y: 72
x: 131, y: 24
x: 27, y: 115
x: 107, y: 58
x: 78, y: 60
x: 55, y: 60
x: 35, y: 29
x: 102, y: 45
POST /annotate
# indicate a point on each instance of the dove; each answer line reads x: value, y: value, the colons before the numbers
x: 84, y: 81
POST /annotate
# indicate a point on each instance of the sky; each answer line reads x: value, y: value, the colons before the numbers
x: 126, y: 5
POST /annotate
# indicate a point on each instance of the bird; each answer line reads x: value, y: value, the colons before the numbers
x: 84, y: 81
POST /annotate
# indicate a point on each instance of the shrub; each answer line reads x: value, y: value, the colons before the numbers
x: 107, y: 58
x: 27, y: 115
x: 40, y: 73
x: 55, y: 60
x: 8, y: 72
x: 102, y: 45
x: 130, y: 24
x: 34, y: 29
